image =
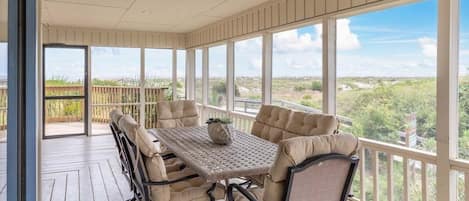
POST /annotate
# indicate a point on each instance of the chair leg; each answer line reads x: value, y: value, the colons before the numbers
x: 210, y: 192
x: 136, y: 197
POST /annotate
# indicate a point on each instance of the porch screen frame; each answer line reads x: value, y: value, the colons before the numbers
x: 22, y: 145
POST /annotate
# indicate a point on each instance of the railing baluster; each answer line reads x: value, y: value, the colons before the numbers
x: 362, y: 174
x: 405, y: 167
x: 375, y: 166
x: 390, y: 177
x: 466, y: 186
x: 424, y: 181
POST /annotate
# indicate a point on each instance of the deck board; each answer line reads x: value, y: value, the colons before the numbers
x: 82, y: 168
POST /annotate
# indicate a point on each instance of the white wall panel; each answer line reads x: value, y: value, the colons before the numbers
x: 320, y: 7
x: 291, y: 10
x: 113, y: 38
x: 300, y: 10
x: 274, y: 14
x: 309, y: 8
x: 331, y: 6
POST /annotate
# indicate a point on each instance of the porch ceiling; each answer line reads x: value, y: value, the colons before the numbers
x: 142, y: 15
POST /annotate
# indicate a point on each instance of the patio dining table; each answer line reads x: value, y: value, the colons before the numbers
x: 248, y: 155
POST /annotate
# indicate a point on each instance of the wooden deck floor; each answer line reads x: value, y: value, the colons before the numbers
x: 82, y: 168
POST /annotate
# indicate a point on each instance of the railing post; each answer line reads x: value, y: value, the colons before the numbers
x: 447, y: 98
x: 267, y: 68
x: 329, y: 65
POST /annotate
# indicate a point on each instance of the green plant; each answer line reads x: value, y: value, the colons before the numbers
x: 219, y: 120
x: 316, y: 86
x: 299, y: 88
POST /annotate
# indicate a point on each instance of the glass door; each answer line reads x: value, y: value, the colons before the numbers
x: 65, y: 91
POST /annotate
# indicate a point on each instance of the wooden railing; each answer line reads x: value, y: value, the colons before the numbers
x: 386, y: 171
x: 103, y: 100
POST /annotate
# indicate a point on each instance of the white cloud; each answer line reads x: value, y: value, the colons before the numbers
x: 291, y: 41
x: 428, y: 46
x: 346, y: 39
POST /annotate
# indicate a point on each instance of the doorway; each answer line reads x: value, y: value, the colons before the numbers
x: 65, y: 92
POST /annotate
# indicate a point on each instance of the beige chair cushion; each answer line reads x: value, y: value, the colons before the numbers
x: 128, y: 125
x: 173, y: 164
x: 256, y: 192
x: 194, y: 189
x: 294, y: 151
x: 176, y: 114
x: 116, y: 115
x: 157, y: 172
x: 271, y: 122
x: 306, y: 124
x: 275, y: 123
x: 139, y: 136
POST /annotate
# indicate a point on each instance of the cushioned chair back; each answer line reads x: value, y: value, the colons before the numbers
x: 174, y: 114
x: 307, y: 124
x: 147, y: 164
x: 312, y: 168
x: 271, y: 122
x: 276, y: 123
x: 115, y: 115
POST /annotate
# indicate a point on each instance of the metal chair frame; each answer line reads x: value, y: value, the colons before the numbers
x: 138, y: 173
x: 301, y: 167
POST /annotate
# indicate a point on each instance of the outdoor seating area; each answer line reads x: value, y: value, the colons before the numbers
x: 235, y: 100
x: 206, y: 169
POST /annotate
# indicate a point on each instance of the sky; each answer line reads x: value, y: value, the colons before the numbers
x: 395, y: 42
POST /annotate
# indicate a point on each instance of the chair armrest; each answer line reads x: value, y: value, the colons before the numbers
x: 168, y: 156
x: 351, y: 197
x: 168, y: 182
x: 243, y: 192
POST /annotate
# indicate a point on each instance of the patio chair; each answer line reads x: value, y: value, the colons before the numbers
x: 176, y: 114
x: 275, y: 123
x: 152, y: 181
x: 115, y: 115
x: 130, y: 127
x: 317, y: 168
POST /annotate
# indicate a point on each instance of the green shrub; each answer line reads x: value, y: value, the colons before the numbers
x: 316, y: 86
x: 299, y: 88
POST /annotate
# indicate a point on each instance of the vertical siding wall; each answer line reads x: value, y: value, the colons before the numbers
x: 270, y: 15
x: 112, y: 38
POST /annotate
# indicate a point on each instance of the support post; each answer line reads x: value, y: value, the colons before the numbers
x: 267, y: 68
x: 142, y: 86
x: 174, y: 75
x: 205, y: 74
x: 447, y: 98
x: 329, y: 52
x: 230, y: 85
x: 190, y: 74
